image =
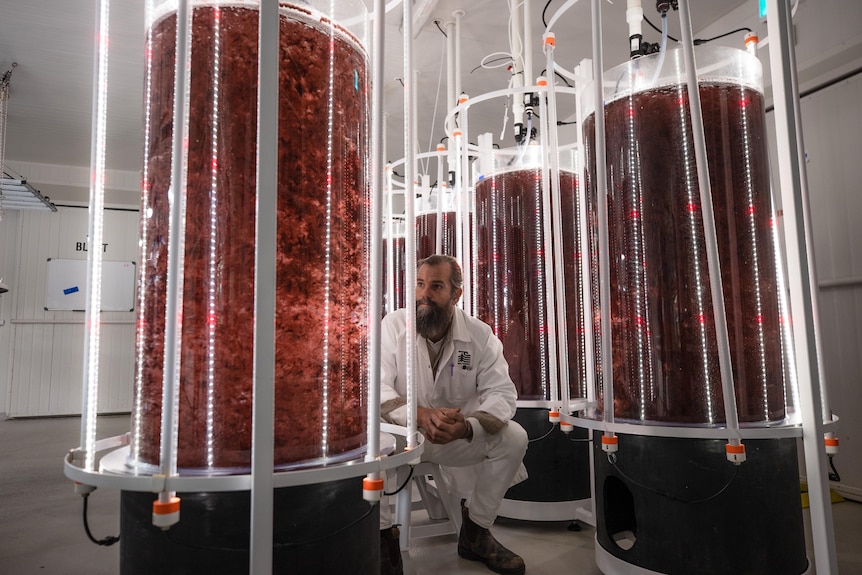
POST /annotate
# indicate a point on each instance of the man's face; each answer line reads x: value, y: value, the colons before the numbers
x: 435, y: 299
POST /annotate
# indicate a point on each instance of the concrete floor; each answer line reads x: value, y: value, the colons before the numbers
x: 41, y: 528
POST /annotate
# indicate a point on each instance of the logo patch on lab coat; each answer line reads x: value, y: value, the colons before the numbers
x: 465, y: 360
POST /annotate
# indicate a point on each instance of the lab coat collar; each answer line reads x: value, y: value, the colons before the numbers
x: 459, y: 327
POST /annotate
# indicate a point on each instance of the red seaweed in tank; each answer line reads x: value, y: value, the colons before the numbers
x: 321, y: 356
x: 665, y: 358
x: 511, y: 274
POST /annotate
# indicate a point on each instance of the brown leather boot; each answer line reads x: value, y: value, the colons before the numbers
x: 477, y: 544
x: 390, y: 552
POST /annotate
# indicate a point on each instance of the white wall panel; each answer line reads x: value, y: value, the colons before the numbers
x: 46, y: 352
x: 832, y: 134
x: 9, y: 234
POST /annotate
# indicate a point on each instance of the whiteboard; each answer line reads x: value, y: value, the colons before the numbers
x: 66, y: 285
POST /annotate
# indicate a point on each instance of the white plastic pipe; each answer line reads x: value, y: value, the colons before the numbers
x: 263, y: 390
x: 547, y: 303
x: 634, y: 17
x: 410, y: 228
x: 581, y: 74
x: 602, y: 207
x: 561, y: 327
x: 176, y: 248
x: 376, y: 232
x: 441, y: 188
x: 527, y: 43
x: 801, y: 279
x: 709, y: 232
x: 95, y: 229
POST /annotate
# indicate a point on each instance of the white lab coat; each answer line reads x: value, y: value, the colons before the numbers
x: 472, y: 374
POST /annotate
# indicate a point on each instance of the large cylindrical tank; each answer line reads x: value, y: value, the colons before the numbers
x: 426, y: 226
x: 394, y: 265
x: 671, y: 502
x: 516, y: 296
x: 321, y: 239
x: 322, y: 286
x: 665, y: 357
x: 514, y: 285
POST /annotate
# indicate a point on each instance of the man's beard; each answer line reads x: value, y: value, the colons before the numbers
x: 431, y: 321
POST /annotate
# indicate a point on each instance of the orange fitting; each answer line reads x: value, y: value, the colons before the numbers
x: 610, y: 444
x: 554, y: 416
x: 372, y: 484
x: 456, y: 134
x: 164, y: 508
x: 550, y: 40
x: 441, y: 148
x: 463, y: 98
x: 831, y: 445
x: 735, y: 453
x: 541, y: 82
x: 166, y: 513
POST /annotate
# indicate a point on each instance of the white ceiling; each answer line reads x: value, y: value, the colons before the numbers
x: 52, y: 42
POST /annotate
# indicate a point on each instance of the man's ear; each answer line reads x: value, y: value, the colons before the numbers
x: 457, y: 295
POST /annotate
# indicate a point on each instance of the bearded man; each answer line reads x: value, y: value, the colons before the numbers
x: 465, y: 402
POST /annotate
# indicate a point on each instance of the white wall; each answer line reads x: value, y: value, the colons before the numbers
x: 42, y: 350
x: 828, y: 46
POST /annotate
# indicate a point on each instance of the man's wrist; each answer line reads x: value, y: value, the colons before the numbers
x: 468, y: 431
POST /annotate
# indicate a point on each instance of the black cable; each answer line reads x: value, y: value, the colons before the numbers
x: 403, y: 485
x: 698, y: 42
x: 613, y: 461
x: 544, y: 436
x: 110, y: 540
x: 544, y: 10
x: 437, y: 23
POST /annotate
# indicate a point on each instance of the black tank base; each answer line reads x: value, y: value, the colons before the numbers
x: 558, y: 465
x: 317, y: 529
x: 677, y: 505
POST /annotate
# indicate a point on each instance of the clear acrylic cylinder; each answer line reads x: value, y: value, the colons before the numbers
x: 322, y: 237
x: 512, y: 283
x: 664, y: 354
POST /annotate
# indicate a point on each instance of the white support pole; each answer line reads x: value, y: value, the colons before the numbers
x: 410, y: 224
x: 801, y: 278
x: 709, y: 232
x: 376, y: 264
x: 263, y: 391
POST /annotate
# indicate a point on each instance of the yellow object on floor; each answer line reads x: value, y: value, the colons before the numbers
x: 833, y: 495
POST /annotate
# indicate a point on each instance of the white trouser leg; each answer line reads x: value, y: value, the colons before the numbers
x: 500, y: 456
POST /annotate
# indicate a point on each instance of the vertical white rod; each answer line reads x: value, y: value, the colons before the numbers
x: 527, y: 43
x: 559, y: 248
x: 583, y: 228
x: 95, y: 228
x: 176, y: 247
x: 263, y: 395
x: 801, y: 278
x: 464, y: 209
x: 709, y: 233
x: 451, y: 94
x: 602, y: 207
x: 548, y: 311
x: 441, y: 188
x: 376, y: 295
x: 457, y: 14
x: 410, y: 225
